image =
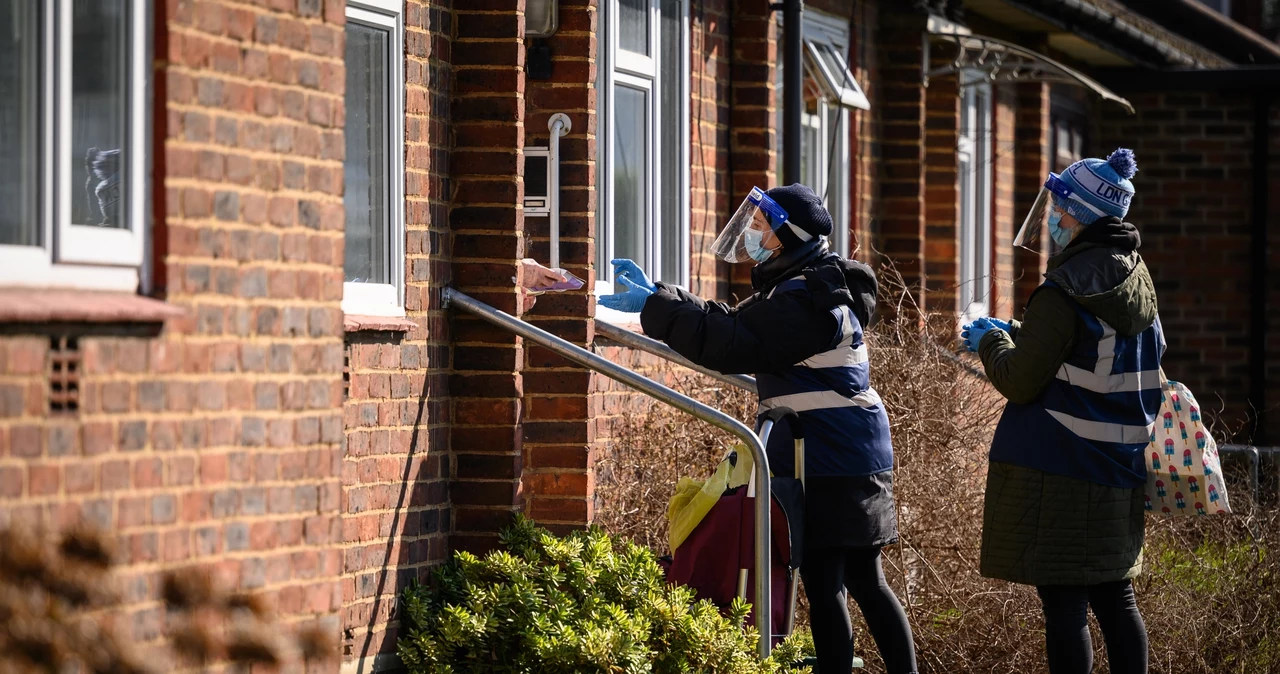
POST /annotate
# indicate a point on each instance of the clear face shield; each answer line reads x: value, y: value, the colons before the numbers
x: 749, y: 235
x: 1035, y: 228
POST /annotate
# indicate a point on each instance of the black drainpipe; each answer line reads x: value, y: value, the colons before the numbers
x: 792, y: 88
x: 1258, y: 264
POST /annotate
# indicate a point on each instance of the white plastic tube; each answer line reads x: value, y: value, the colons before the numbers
x: 559, y: 125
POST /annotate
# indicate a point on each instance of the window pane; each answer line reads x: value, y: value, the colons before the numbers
x: 631, y: 114
x: 99, y: 112
x: 671, y: 102
x: 809, y: 151
x: 19, y: 124
x: 365, y: 169
x: 837, y: 190
x: 633, y: 26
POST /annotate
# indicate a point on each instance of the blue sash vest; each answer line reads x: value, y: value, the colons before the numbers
x: 1096, y: 417
x: 845, y: 426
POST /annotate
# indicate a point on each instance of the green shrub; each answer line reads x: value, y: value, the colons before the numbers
x: 583, y: 603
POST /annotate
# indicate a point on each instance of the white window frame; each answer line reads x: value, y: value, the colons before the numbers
x: 619, y: 67
x: 838, y: 92
x: 973, y: 222
x: 85, y: 256
x: 386, y: 299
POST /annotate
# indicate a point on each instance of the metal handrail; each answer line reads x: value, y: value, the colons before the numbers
x: 1255, y: 460
x: 639, y: 342
x: 762, y: 606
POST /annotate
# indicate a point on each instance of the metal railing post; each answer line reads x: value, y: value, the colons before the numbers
x: 711, y: 415
x: 639, y: 342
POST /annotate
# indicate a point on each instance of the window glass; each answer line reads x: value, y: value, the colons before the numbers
x: 631, y: 112
x: 837, y: 188
x: 633, y: 26
x: 365, y: 168
x: 671, y: 142
x: 98, y: 112
x: 19, y: 124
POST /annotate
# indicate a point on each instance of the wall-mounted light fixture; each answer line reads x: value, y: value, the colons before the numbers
x: 541, y: 18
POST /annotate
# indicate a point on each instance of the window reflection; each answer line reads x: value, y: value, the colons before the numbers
x: 99, y: 87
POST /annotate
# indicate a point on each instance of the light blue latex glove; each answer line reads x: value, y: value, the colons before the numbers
x: 626, y: 269
x: 1003, y: 325
x: 630, y: 302
x: 973, y: 333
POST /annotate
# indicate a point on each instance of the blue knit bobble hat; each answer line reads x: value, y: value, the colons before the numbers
x: 1104, y: 185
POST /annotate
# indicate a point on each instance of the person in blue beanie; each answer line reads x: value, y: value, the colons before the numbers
x: 801, y: 334
x: 1064, y: 501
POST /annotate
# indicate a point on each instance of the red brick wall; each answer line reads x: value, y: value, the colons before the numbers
x: 753, y: 119
x: 709, y: 129
x: 864, y: 140
x: 1031, y: 168
x: 901, y: 110
x: 942, y: 192
x: 396, y: 464
x: 1193, y: 207
x: 217, y: 443
x: 487, y: 223
x: 557, y: 439
x: 1005, y: 219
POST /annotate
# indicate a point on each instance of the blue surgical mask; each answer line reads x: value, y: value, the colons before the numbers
x: 752, y: 240
x: 1062, y: 236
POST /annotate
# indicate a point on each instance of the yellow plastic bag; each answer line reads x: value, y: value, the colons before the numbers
x: 694, y: 499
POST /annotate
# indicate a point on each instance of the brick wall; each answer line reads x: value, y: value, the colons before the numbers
x: 215, y: 444
x: 901, y: 110
x: 1031, y: 167
x: 396, y: 463
x: 942, y: 191
x: 1193, y: 207
x: 710, y: 173
x: 557, y: 428
x: 1005, y: 218
x: 864, y: 142
x: 487, y: 223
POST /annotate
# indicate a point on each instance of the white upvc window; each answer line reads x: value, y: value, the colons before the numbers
x: 973, y: 169
x: 643, y: 142
x: 830, y: 93
x: 373, y: 271
x: 73, y: 143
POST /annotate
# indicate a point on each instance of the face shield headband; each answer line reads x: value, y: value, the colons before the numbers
x: 742, y: 239
x: 1035, y: 227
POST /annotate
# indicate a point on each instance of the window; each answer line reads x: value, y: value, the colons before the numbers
x: 643, y: 166
x: 830, y: 92
x: 973, y: 169
x: 73, y: 143
x: 374, y: 166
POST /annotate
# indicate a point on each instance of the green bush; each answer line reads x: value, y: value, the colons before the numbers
x: 583, y: 603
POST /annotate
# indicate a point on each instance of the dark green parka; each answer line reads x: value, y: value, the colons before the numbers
x: 1044, y: 529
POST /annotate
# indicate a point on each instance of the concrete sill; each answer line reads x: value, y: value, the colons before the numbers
x: 43, y: 305
x: 362, y: 323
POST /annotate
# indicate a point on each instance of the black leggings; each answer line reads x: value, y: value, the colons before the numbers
x: 1066, y: 628
x: 827, y: 574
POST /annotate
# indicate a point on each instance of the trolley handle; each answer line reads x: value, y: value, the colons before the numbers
x: 778, y: 414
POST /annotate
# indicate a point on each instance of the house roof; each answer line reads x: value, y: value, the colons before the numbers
x: 1100, y: 33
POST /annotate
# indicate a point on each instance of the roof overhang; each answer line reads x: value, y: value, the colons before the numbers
x: 1003, y: 61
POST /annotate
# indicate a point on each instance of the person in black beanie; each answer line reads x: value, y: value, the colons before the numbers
x: 801, y: 335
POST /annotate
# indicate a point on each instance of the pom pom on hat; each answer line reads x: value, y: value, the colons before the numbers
x: 1123, y: 162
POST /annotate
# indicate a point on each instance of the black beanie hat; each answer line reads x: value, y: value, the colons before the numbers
x: 804, y: 210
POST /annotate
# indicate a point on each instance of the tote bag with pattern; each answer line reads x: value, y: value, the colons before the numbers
x: 1184, y: 473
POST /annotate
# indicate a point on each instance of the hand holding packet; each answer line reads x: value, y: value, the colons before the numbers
x: 570, y: 282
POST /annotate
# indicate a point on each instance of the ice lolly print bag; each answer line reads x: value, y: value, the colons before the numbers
x: 1184, y: 474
